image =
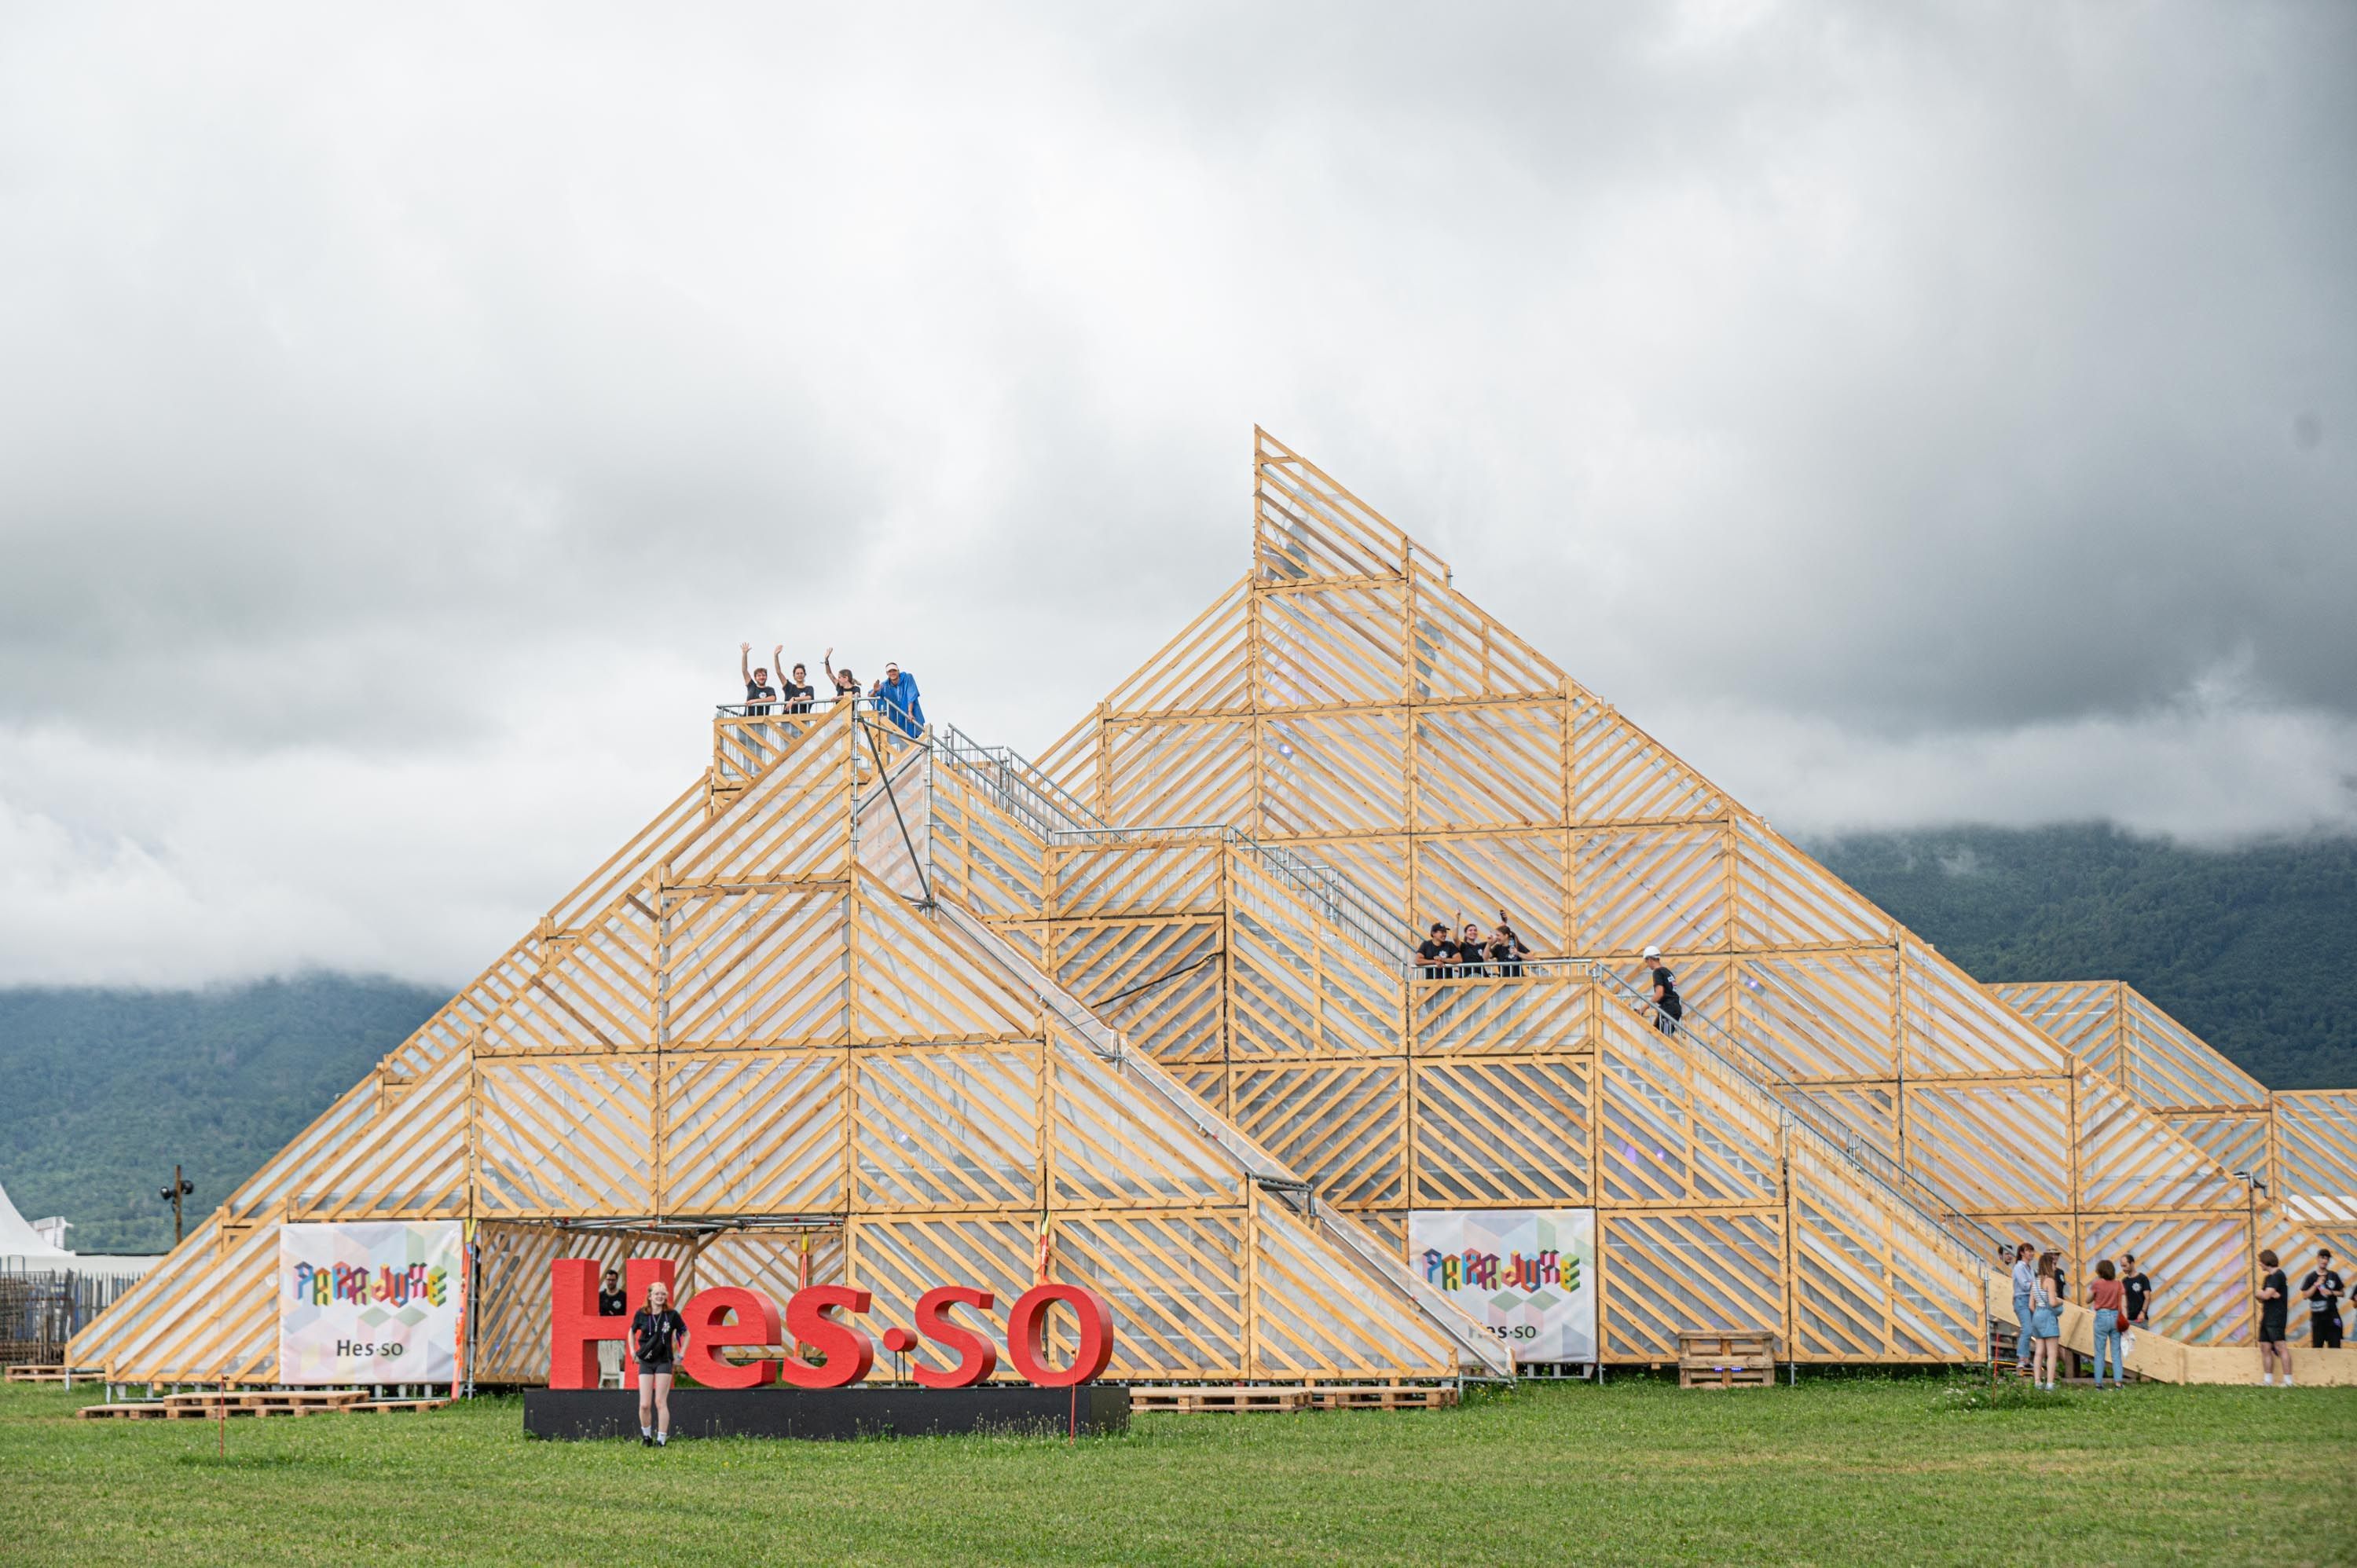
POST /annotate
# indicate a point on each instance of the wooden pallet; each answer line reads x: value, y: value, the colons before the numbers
x: 1204, y: 1399
x: 1727, y: 1360
x: 50, y: 1374
x: 1374, y: 1396
x: 244, y: 1403
x: 386, y: 1407
x: 269, y: 1402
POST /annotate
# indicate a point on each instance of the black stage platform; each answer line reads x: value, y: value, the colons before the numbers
x: 831, y: 1412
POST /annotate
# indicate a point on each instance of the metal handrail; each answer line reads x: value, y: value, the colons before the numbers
x: 1020, y: 788
x: 1798, y: 1109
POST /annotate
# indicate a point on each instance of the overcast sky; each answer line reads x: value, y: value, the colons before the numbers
x: 1915, y: 414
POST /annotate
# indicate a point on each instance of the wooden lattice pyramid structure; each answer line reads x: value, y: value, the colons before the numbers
x: 744, y: 1046
x: 866, y: 1008
x: 1344, y: 702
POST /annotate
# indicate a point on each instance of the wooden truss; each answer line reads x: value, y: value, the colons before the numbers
x: 2302, y: 1142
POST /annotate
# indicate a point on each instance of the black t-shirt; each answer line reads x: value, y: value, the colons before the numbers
x: 2138, y: 1287
x: 798, y: 698
x: 612, y: 1304
x: 2271, y: 1311
x: 655, y: 1334
x: 1435, y: 953
x: 1470, y: 954
x: 2331, y: 1300
x: 1669, y: 986
x: 755, y: 694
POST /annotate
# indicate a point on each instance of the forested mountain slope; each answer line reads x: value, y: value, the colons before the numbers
x: 2255, y: 950
x: 101, y: 1090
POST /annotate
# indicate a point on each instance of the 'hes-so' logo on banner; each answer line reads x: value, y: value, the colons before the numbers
x: 731, y: 1317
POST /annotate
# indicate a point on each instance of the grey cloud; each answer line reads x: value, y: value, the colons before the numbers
x: 1935, y: 391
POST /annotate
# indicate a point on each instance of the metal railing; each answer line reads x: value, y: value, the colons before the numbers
x: 1019, y: 788
x: 1798, y: 1109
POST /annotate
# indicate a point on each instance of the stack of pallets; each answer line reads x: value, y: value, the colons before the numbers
x: 1195, y: 1398
x: 1720, y: 1359
x: 1200, y: 1398
x: 213, y: 1404
x: 49, y: 1374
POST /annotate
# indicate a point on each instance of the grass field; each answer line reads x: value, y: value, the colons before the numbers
x: 1844, y: 1470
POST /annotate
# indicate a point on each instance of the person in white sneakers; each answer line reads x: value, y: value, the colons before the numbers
x: 2046, y: 1322
x: 2274, y: 1305
x: 657, y: 1336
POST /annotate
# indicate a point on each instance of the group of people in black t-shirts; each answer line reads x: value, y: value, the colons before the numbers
x: 2322, y: 1287
x: 1471, y: 955
x: 2121, y: 1295
x: 894, y: 694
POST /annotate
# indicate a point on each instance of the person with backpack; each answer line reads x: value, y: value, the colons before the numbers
x: 1667, y: 1008
x: 658, y: 1336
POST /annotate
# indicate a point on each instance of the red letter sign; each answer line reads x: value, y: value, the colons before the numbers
x: 757, y: 1323
x: 575, y: 1325
x: 849, y: 1351
x: 1027, y: 1335
x: 976, y: 1359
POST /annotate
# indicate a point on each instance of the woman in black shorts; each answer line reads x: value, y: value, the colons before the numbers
x: 657, y: 1336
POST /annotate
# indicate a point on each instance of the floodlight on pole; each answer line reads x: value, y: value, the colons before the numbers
x: 179, y: 1189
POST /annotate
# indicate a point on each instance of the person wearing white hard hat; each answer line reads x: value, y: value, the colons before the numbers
x: 1667, y: 1008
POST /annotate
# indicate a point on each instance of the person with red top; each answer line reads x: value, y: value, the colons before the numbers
x: 2109, y: 1299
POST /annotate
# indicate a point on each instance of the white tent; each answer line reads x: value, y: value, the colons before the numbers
x: 23, y: 1249
x: 21, y: 1246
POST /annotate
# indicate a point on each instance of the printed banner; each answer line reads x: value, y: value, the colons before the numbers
x: 373, y: 1303
x: 1529, y: 1274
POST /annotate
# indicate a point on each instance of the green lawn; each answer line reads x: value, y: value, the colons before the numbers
x: 1834, y: 1471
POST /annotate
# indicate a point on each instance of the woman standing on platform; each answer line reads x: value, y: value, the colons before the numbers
x: 1471, y: 950
x: 1506, y: 949
x: 847, y: 684
x: 657, y: 1336
x: 2045, y: 1324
